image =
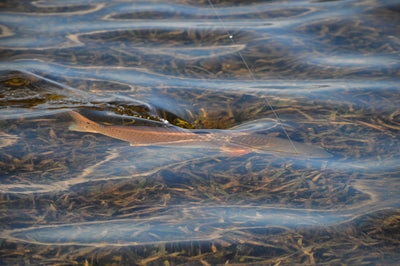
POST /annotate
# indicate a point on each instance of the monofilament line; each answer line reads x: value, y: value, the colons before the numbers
x: 231, y: 37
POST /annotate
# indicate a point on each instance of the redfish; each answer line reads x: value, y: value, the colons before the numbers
x: 233, y: 142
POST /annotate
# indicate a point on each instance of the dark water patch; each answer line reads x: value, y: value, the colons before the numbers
x: 360, y: 240
x: 184, y: 13
x: 388, y: 12
x: 43, y: 7
x: 324, y: 1
x: 223, y: 3
x: 338, y: 35
x: 94, y: 85
x: 163, y: 37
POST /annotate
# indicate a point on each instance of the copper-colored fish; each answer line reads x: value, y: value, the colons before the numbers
x: 231, y: 141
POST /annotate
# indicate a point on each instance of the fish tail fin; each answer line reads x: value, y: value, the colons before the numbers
x: 232, y: 151
x: 82, y: 124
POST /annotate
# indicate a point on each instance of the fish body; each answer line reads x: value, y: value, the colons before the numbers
x: 231, y: 141
x: 136, y: 135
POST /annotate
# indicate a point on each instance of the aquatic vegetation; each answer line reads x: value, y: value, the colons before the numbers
x: 189, y: 84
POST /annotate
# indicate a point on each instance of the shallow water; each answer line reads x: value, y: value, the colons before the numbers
x: 324, y: 73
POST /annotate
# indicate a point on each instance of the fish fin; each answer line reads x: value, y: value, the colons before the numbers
x: 82, y: 124
x: 235, y: 151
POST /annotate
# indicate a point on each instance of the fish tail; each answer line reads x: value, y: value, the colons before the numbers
x: 233, y: 151
x: 82, y: 124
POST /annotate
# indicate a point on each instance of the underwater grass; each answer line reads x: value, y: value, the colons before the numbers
x: 240, y: 181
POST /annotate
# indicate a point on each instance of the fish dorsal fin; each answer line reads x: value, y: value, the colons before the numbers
x: 82, y: 124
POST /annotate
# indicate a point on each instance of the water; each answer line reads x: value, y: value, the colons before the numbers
x: 325, y: 73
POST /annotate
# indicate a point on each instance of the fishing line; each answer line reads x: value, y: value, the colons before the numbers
x: 252, y: 75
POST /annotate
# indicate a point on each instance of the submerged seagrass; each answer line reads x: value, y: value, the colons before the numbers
x: 234, y: 142
x: 329, y: 69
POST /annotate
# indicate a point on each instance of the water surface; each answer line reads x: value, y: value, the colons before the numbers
x: 323, y: 73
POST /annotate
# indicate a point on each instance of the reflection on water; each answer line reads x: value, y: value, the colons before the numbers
x: 321, y: 77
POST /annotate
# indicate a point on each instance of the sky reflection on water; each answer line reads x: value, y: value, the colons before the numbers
x: 329, y: 70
